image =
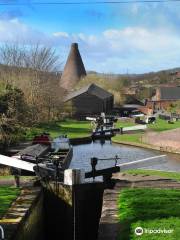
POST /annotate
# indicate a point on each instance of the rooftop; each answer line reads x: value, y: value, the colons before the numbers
x: 170, y: 93
x: 91, y: 89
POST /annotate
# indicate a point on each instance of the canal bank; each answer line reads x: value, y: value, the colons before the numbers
x: 61, y: 207
x: 82, y: 155
x: 24, y: 215
x: 55, y: 211
x: 74, y: 212
x: 165, y: 149
x: 111, y: 228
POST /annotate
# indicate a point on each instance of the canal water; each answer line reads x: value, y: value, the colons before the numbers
x: 83, y: 153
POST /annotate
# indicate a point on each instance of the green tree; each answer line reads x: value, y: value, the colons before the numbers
x: 13, y: 105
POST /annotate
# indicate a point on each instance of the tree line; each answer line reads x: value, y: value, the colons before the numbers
x: 29, y: 88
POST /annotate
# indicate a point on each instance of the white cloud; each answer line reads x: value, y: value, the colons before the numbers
x: 14, y: 30
x: 142, y: 39
x: 61, y: 34
x: 114, y: 50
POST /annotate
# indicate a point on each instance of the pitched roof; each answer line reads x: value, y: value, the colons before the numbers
x: 170, y: 93
x: 74, y: 69
x: 91, y: 89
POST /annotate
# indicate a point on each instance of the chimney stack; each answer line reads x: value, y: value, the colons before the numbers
x: 74, y: 69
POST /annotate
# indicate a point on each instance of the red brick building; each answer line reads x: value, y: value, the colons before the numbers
x: 164, y: 97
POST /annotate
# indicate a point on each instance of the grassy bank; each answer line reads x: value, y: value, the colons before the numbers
x: 159, y: 126
x: 134, y: 138
x: 149, y: 208
x: 127, y: 123
x: 171, y: 175
x: 162, y: 125
x: 7, y: 196
x: 72, y: 128
x: 76, y: 129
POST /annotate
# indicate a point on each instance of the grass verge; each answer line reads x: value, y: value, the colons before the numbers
x: 153, y: 208
x: 7, y: 196
x: 171, y: 175
x: 72, y: 128
x: 124, y: 124
x: 163, y: 125
x: 134, y: 138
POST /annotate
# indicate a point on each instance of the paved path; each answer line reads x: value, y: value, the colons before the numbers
x: 109, y: 223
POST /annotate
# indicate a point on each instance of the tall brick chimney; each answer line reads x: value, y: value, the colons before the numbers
x: 74, y: 69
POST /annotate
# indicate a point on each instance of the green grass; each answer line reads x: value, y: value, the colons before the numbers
x: 149, y: 207
x: 7, y: 196
x: 134, y: 138
x: 162, y: 125
x: 72, y: 128
x: 124, y: 124
x: 171, y: 175
x: 75, y: 129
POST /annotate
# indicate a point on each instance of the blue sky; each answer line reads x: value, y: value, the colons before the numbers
x: 136, y: 37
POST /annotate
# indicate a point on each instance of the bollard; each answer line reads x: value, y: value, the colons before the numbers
x: 74, y: 176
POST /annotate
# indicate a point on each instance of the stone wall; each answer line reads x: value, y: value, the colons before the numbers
x: 32, y: 226
x: 24, y: 219
x: 55, y: 212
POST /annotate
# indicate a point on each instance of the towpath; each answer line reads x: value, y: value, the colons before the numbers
x: 109, y: 223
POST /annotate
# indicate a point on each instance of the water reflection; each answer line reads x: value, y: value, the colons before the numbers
x: 83, y: 154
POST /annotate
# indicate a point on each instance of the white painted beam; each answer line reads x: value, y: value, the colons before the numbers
x: 90, y: 119
x: 16, y: 163
x: 146, y: 162
x: 134, y: 128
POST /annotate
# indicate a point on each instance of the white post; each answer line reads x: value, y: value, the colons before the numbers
x: 74, y: 176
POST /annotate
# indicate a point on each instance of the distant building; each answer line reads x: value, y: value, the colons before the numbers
x: 131, y: 105
x: 74, y: 69
x: 91, y: 99
x: 176, y: 74
x: 164, y: 97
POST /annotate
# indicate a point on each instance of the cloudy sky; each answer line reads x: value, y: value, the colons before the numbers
x: 113, y: 38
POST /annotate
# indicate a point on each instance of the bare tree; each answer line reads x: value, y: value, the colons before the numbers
x: 30, y: 68
x: 42, y: 58
x: 37, y: 56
